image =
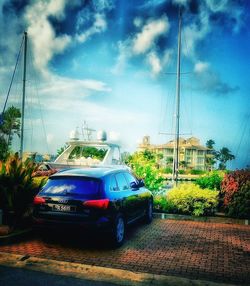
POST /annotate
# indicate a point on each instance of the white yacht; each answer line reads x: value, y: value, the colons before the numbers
x: 88, y: 153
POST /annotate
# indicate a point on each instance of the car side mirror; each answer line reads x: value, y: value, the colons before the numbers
x: 134, y: 185
x: 140, y: 183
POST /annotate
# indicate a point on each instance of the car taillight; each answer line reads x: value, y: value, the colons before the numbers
x: 99, y: 204
x: 38, y: 200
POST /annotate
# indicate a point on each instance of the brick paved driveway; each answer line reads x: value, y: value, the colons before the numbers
x: 196, y: 250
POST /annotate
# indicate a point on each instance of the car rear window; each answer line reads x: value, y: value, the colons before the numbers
x: 71, y: 186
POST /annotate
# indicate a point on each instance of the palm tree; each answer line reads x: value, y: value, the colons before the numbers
x: 210, y: 144
x: 223, y: 156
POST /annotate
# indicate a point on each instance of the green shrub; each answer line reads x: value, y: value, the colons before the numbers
x: 168, y: 170
x: 17, y: 188
x: 181, y: 172
x: 211, y: 181
x: 235, y: 190
x: 189, y: 198
x: 162, y: 204
x: 196, y: 172
x: 144, y: 165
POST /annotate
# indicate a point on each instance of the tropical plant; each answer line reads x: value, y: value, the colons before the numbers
x: 9, y: 126
x: 223, y: 156
x: 210, y: 144
x: 17, y: 188
x: 188, y: 198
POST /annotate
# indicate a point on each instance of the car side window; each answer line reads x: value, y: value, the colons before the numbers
x: 130, y: 178
x: 113, y: 184
x: 122, y: 182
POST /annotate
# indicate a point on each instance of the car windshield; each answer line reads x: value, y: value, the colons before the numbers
x: 71, y: 186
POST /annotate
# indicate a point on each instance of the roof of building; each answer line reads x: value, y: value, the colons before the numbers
x: 190, y: 143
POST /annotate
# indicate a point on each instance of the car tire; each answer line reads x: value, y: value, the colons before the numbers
x: 118, y: 231
x: 149, y: 213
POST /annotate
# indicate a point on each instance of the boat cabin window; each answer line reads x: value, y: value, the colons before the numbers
x: 88, y: 152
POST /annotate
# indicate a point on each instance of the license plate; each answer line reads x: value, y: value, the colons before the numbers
x: 63, y: 208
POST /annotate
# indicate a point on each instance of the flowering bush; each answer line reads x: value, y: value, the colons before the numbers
x: 235, y: 189
x: 188, y: 198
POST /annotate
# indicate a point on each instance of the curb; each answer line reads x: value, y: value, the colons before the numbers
x: 15, y: 236
x: 218, y: 219
x: 96, y: 273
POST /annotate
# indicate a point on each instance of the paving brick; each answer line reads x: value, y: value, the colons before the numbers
x: 196, y: 250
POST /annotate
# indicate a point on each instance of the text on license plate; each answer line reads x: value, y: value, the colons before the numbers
x: 63, y: 208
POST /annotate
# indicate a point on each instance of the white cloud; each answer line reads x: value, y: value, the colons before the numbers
x: 98, y: 26
x: 143, y: 43
x: 154, y: 62
x: 144, y: 40
x: 210, y: 81
x: 194, y: 33
x: 44, y: 40
x: 201, y: 67
x: 62, y: 93
x: 138, y: 22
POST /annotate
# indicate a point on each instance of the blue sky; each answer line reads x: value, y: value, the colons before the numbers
x: 110, y: 63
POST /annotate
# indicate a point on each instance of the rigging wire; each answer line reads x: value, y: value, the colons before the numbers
x: 13, y: 75
x: 35, y: 76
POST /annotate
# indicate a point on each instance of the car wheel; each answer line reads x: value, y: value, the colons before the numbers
x: 118, y: 231
x: 149, y: 213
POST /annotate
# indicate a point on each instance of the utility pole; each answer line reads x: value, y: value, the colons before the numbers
x: 177, y: 107
x: 23, y: 98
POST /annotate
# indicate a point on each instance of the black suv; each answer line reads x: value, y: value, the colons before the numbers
x: 100, y: 198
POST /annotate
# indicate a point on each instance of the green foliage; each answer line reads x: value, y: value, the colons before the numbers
x: 62, y: 149
x: 211, y: 180
x: 8, y: 128
x: 189, y: 198
x: 162, y: 204
x: 17, y: 187
x: 235, y: 189
x: 196, y: 172
x: 88, y: 151
x: 144, y: 164
x: 210, y: 144
x: 168, y: 170
x: 223, y: 156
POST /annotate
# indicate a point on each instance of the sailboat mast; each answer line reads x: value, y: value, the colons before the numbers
x: 23, y: 98
x: 177, y: 107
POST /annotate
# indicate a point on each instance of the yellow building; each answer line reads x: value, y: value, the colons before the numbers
x: 191, y: 153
